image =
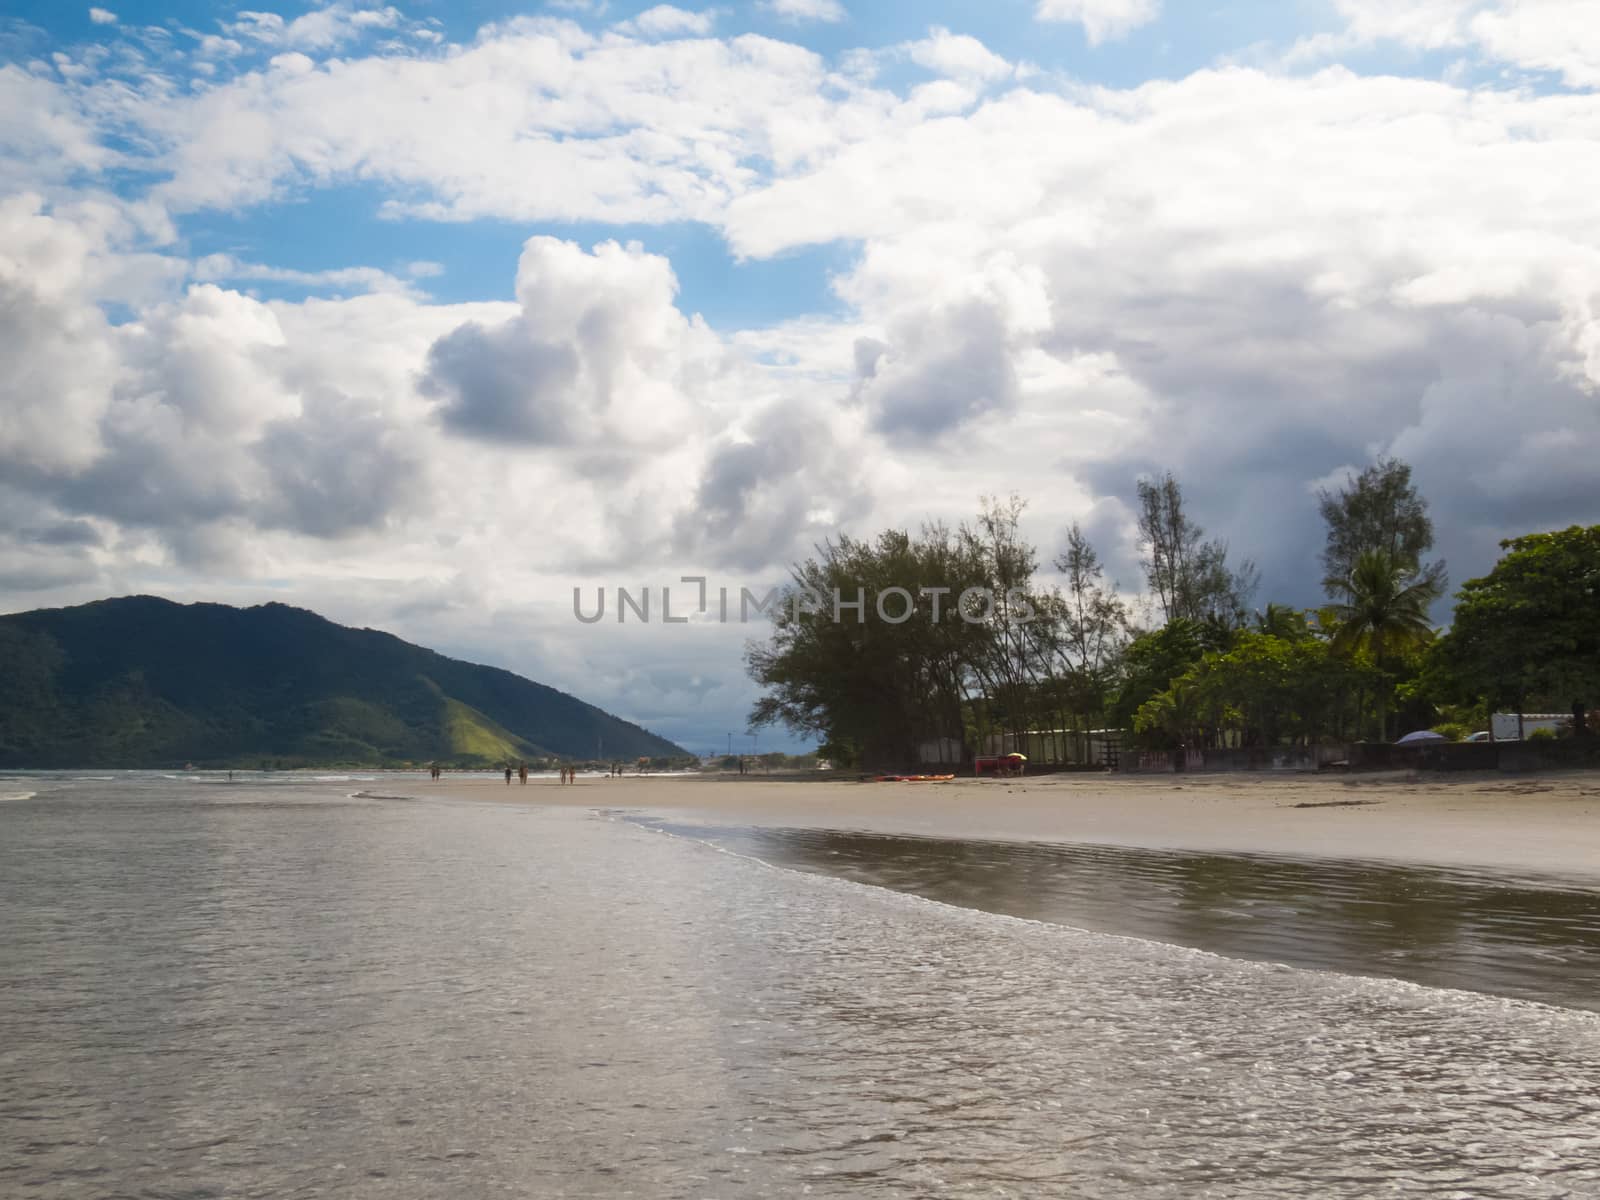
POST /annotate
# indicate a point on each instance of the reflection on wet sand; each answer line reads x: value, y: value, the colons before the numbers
x: 1439, y: 927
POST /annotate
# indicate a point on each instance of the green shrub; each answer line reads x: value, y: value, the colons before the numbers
x: 1542, y: 735
x: 1453, y: 730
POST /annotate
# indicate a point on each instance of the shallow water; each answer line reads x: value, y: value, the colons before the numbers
x: 1443, y: 927
x: 280, y: 990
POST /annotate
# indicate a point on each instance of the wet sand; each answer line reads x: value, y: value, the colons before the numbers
x: 1520, y: 825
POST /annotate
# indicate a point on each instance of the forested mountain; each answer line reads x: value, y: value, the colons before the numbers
x: 141, y: 681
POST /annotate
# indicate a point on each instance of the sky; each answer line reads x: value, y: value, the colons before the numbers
x: 424, y: 315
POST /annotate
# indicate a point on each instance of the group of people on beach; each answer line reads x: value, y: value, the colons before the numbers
x: 568, y: 774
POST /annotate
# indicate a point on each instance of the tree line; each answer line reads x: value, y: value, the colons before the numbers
x: 1195, y: 661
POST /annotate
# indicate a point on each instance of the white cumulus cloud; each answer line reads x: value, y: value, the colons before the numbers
x: 826, y: 11
x: 665, y: 20
x: 1102, y: 20
x: 1557, y: 36
x: 958, y: 56
x: 598, y: 355
x: 1562, y: 36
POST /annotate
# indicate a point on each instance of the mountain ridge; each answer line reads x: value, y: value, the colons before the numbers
x: 145, y: 681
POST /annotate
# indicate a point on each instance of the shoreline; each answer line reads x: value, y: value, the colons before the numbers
x: 1546, y: 825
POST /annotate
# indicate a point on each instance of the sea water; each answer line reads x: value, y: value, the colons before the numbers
x: 1528, y: 935
x: 278, y: 988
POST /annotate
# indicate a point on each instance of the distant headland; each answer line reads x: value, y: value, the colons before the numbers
x: 144, y: 682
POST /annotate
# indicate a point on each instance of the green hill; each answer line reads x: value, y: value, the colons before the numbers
x: 141, y: 681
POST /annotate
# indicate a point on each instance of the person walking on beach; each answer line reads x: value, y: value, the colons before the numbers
x: 508, y: 774
x: 522, y: 774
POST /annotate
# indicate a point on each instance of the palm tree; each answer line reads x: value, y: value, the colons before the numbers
x: 1384, y: 608
x: 1284, y: 622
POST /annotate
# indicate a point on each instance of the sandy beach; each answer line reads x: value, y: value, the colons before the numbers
x: 1519, y: 825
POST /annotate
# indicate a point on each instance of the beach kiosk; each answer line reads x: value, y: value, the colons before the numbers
x: 1001, y: 766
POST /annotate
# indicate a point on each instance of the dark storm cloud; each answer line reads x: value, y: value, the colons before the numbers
x: 167, y: 426
x: 764, y: 500
x: 322, y: 476
x: 154, y: 478
x: 597, y: 357
x: 39, y: 575
x: 503, y: 384
x: 866, y: 353
x: 1261, y: 389
x: 62, y: 533
x: 338, y: 469
x: 40, y: 548
x: 939, y: 372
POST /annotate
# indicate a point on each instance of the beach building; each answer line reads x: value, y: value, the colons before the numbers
x: 1042, y: 747
x: 1060, y: 747
x: 1514, y: 727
